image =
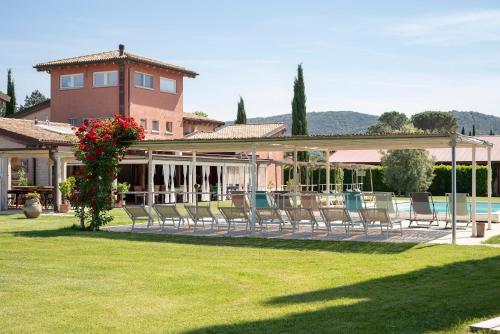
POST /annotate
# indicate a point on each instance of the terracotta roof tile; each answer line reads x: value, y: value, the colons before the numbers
x: 240, y: 131
x: 109, y: 56
x: 37, y: 133
x: 192, y: 116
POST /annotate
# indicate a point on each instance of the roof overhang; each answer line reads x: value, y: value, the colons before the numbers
x: 314, y: 143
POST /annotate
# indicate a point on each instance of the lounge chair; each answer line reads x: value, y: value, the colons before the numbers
x: 281, y: 199
x: 422, y: 209
x: 336, y: 217
x: 301, y: 216
x: 462, y: 210
x: 384, y: 200
x: 378, y: 218
x: 201, y: 214
x: 139, y: 213
x: 233, y: 216
x: 310, y: 201
x: 262, y: 199
x: 269, y: 216
x: 239, y: 199
x: 169, y: 214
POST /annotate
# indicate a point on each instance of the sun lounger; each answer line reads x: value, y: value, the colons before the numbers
x: 169, y: 214
x: 269, y: 216
x: 336, y: 217
x: 353, y: 201
x: 233, y: 216
x: 384, y: 200
x: 310, y: 201
x: 139, y: 213
x: 201, y: 214
x: 422, y: 209
x: 378, y: 218
x: 462, y: 210
x: 301, y: 216
x: 281, y: 199
x: 239, y: 199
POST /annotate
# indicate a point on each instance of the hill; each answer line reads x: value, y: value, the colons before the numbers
x: 345, y: 122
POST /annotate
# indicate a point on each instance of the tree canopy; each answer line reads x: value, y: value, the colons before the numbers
x: 241, y: 115
x: 201, y: 113
x: 435, y: 121
x: 33, y: 99
x: 389, y: 122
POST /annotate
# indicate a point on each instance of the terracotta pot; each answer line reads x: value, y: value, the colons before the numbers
x: 480, y: 227
x: 64, y: 207
x: 32, y: 208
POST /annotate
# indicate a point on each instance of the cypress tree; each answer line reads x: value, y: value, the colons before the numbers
x: 491, y: 132
x: 11, y: 91
x: 463, y: 130
x: 241, y: 116
x: 473, y: 129
x: 299, y: 116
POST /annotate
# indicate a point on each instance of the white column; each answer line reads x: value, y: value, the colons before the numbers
x: 253, y: 190
x: 327, y: 181
x: 192, y: 178
x: 5, y: 181
x: 184, y: 186
x: 166, y: 181
x: 489, y: 188
x: 219, y: 179
x: 474, y: 198
x: 225, y: 176
x: 64, y: 167
x: 173, y: 198
x: 453, y: 193
x: 295, y: 172
x: 58, y: 171
x: 151, y: 173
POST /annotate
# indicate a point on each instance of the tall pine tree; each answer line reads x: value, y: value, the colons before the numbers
x: 241, y: 116
x: 11, y: 91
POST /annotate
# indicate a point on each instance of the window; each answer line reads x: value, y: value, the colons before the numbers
x: 144, y: 124
x: 72, y: 81
x: 155, y: 126
x: 168, y: 127
x: 105, y: 79
x: 168, y: 85
x: 143, y: 80
x: 72, y: 121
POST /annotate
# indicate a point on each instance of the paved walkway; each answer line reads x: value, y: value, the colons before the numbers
x: 437, y: 235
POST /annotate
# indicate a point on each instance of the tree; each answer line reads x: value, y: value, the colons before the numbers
x: 379, y: 127
x: 241, y: 116
x: 33, y: 99
x: 435, y: 121
x: 394, y: 119
x: 201, y: 113
x: 473, y: 129
x: 491, y: 132
x: 11, y: 91
x: 407, y: 170
x: 463, y: 130
x: 299, y: 116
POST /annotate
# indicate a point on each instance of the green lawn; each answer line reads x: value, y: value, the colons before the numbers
x: 494, y: 240
x: 54, y: 279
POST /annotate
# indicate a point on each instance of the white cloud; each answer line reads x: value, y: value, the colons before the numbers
x: 458, y: 28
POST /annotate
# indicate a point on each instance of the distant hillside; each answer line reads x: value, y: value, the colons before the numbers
x: 325, y: 122
x: 345, y: 122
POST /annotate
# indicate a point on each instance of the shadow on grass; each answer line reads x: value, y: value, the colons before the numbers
x: 302, y: 245
x: 431, y: 299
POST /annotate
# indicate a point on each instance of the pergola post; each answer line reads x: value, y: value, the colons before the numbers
x: 58, y: 179
x: 489, y: 187
x: 295, y: 172
x: 5, y: 179
x: 453, y: 192
x: 327, y: 158
x: 253, y: 190
x: 151, y: 173
x: 192, y: 178
x: 474, y: 198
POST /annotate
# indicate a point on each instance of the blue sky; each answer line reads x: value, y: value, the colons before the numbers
x: 366, y: 56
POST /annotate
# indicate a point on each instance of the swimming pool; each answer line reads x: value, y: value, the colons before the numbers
x: 442, y: 207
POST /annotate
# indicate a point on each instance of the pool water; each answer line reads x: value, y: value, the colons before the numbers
x: 442, y: 207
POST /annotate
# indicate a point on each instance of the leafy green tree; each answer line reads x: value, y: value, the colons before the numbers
x: 11, y: 91
x: 435, y: 121
x: 33, y: 99
x: 241, y: 116
x: 201, y: 113
x: 407, y: 170
x: 394, y: 119
x: 379, y: 127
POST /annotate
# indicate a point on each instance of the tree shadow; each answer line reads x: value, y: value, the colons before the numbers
x: 431, y: 299
x: 286, y: 244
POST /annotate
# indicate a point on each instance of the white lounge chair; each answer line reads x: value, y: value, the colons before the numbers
x: 462, y: 210
x: 234, y: 216
x: 139, y: 213
x: 422, y: 210
x: 378, y: 218
x: 269, y: 216
x: 201, y: 214
x: 169, y: 214
x: 337, y: 217
x: 301, y: 216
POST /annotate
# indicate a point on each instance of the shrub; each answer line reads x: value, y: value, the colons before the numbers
x: 67, y: 187
x: 32, y: 196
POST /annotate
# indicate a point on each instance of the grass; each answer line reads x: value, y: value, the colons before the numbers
x: 57, y: 279
x: 493, y: 240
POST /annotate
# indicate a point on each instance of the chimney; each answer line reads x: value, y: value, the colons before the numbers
x: 121, y: 48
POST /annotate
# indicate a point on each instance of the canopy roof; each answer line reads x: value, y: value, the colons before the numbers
x: 314, y: 143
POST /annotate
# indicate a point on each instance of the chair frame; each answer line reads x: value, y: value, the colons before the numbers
x: 301, y: 216
x: 146, y: 216
x: 266, y: 216
x: 448, y: 211
x: 340, y: 215
x: 209, y: 217
x: 414, y: 216
x: 232, y: 219
x: 373, y: 217
x: 170, y: 218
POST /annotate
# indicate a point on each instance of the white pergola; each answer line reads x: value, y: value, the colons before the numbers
x: 326, y: 144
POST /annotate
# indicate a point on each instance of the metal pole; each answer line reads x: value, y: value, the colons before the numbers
x: 327, y: 158
x: 192, y: 178
x: 453, y: 192
x: 489, y: 188
x: 474, y: 198
x: 253, y: 193
x: 151, y: 174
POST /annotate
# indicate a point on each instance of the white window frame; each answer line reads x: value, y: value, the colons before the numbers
x: 106, y: 83
x: 144, y: 80
x: 152, y: 126
x: 168, y: 91
x: 166, y: 127
x: 72, y: 80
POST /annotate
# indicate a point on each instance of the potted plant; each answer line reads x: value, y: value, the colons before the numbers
x: 32, y: 207
x: 22, y: 179
x: 66, y: 187
x: 121, y: 187
x: 480, y: 227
